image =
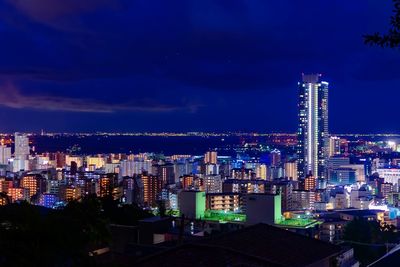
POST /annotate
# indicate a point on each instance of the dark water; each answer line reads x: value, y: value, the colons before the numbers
x: 193, y: 145
x: 134, y: 144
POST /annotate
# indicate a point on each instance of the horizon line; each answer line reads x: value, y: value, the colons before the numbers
x: 185, y: 133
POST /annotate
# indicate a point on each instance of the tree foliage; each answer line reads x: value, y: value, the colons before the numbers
x: 369, y: 239
x: 125, y: 214
x: 392, y: 37
x: 36, y: 236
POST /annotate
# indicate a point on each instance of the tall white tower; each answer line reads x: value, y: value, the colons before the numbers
x: 312, y: 130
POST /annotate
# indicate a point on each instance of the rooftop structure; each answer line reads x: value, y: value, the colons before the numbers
x: 257, y: 245
x: 224, y: 216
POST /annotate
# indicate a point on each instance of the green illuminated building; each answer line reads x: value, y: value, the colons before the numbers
x: 192, y: 204
x: 200, y: 204
x: 263, y: 208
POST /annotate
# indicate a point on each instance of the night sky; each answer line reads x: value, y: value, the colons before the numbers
x: 189, y: 65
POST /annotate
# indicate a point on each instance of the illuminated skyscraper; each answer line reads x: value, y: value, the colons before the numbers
x: 152, y: 186
x: 312, y: 131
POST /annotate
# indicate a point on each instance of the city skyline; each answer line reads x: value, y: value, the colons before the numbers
x: 199, y: 133
x: 236, y: 61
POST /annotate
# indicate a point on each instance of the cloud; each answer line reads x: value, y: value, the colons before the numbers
x: 64, y: 15
x: 11, y: 97
x: 48, y: 10
x: 206, y: 44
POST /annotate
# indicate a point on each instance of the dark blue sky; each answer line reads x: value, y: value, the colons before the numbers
x: 212, y: 65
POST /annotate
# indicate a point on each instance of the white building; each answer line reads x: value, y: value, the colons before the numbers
x: 20, y: 165
x: 211, y: 169
x: 303, y: 200
x: 21, y: 143
x: 132, y: 167
x: 360, y: 199
x: 21, y: 152
x: 390, y: 175
x: 313, y: 126
x: 111, y: 167
x: 5, y: 154
x: 342, y: 201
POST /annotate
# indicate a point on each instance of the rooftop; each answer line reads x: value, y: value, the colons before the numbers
x: 298, y: 223
x: 360, y: 213
x: 257, y: 245
x: 154, y: 219
x: 222, y: 216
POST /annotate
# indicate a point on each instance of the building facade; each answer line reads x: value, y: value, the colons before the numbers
x: 313, y: 126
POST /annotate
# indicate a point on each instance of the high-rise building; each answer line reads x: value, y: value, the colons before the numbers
x: 275, y: 157
x: 91, y: 187
x: 59, y: 157
x: 310, y: 183
x: 21, y: 152
x: 5, y: 185
x: 18, y: 194
x: 291, y: 170
x: 210, y: 157
x: 390, y: 176
x: 31, y: 183
x: 209, y: 169
x: 334, y: 146
x: 5, y: 154
x: 21, y: 146
x: 106, y: 186
x: 166, y: 173
x: 312, y: 130
x: 224, y: 201
x: 152, y: 186
x: 302, y: 199
x: 261, y: 172
x: 109, y: 185
x: 71, y: 193
x: 187, y: 181
x: 386, y: 188
x: 212, y: 183
x: 128, y: 184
